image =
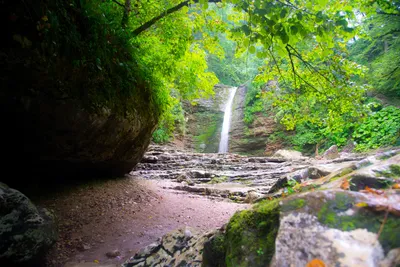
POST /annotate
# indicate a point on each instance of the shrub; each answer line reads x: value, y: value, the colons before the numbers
x: 380, y: 129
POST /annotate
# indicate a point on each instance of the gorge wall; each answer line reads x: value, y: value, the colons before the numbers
x: 248, y: 139
x: 204, y: 121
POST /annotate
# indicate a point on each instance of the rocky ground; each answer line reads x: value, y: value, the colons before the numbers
x: 235, y: 177
x: 107, y: 223
x: 348, y: 214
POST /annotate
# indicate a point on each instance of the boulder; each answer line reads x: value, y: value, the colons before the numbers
x: 331, y: 153
x: 63, y: 118
x: 182, y: 247
x: 61, y: 137
x: 336, y: 227
x: 183, y: 177
x: 26, y: 232
x: 288, y: 154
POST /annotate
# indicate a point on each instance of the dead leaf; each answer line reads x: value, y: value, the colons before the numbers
x: 369, y: 190
x: 361, y: 205
x: 345, y: 184
x: 316, y: 263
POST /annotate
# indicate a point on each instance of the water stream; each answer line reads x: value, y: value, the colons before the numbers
x: 223, y: 144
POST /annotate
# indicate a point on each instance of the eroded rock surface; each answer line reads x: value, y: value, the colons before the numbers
x: 182, y: 247
x: 219, y: 175
x: 339, y: 220
x: 25, y: 231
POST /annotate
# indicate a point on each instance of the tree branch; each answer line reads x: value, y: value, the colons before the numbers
x: 296, y: 74
x: 154, y: 20
x: 291, y: 63
x: 127, y: 10
x: 308, y: 65
x: 118, y: 3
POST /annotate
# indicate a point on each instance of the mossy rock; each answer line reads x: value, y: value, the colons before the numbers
x: 331, y: 221
x: 250, y: 235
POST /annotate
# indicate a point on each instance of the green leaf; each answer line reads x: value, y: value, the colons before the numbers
x: 319, y: 17
x: 299, y: 16
x: 294, y: 30
x: 246, y: 29
x: 252, y: 49
x: 284, y: 36
x: 283, y: 13
x: 341, y: 22
x: 260, y: 55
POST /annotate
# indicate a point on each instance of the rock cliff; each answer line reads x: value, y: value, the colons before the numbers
x: 68, y: 109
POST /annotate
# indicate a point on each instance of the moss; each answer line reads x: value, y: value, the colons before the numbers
x: 207, y: 130
x: 217, y: 180
x: 294, y: 204
x: 251, y: 234
x: 342, y: 173
x: 364, y: 218
x: 394, y: 170
x: 214, y: 251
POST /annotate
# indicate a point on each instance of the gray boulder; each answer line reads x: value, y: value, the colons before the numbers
x: 26, y: 232
x: 331, y: 153
x: 288, y: 154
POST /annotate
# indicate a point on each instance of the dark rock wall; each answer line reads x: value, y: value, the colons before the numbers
x: 53, y: 138
x: 61, y: 115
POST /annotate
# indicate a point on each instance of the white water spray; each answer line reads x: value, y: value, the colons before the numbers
x: 223, y: 144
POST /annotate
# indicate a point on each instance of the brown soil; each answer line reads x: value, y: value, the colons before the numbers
x: 125, y: 215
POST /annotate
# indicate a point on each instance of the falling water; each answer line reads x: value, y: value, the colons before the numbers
x: 223, y: 144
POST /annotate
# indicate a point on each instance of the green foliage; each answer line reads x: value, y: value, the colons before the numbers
x: 254, y: 103
x: 161, y: 135
x: 301, y: 47
x: 289, y: 189
x: 379, y: 49
x: 379, y: 129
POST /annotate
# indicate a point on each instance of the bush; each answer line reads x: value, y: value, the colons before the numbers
x: 380, y: 129
x: 160, y: 136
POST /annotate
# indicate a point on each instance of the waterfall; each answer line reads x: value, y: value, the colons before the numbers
x: 223, y: 144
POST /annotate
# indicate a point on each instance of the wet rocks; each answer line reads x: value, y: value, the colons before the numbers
x: 288, y: 154
x: 217, y: 175
x: 26, y: 232
x: 182, y: 247
x: 327, y: 225
x: 336, y: 230
x: 234, y: 176
x: 331, y: 153
x: 338, y: 227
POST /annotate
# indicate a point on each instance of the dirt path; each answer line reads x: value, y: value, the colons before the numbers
x: 125, y: 215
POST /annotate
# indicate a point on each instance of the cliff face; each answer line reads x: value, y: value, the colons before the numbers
x: 69, y: 105
x: 248, y: 139
x: 204, y: 121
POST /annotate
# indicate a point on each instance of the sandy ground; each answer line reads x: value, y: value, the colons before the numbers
x: 125, y: 215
